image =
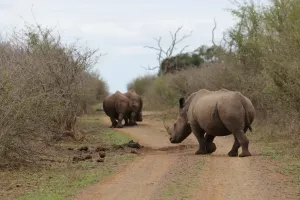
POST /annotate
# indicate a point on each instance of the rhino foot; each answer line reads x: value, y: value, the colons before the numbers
x: 233, y: 153
x: 200, y: 152
x: 211, y: 147
x: 119, y: 126
x: 132, y: 123
x: 245, y: 154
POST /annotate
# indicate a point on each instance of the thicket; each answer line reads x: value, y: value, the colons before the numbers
x: 259, y: 56
x: 44, y: 85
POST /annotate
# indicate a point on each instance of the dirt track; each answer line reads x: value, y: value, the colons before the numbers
x: 168, y: 171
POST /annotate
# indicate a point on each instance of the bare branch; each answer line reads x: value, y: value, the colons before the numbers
x: 184, y: 49
x: 213, y: 32
x: 150, y: 68
x: 163, y: 54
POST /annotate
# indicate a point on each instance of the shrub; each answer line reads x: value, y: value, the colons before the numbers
x: 140, y: 84
x: 42, y: 85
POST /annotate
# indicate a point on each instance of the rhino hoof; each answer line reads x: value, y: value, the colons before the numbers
x: 200, y: 152
x: 233, y: 153
x: 245, y: 154
x: 119, y: 126
x: 211, y: 147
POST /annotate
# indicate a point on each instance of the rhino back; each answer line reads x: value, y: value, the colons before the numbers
x: 218, y: 112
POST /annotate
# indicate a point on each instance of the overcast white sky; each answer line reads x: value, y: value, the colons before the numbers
x: 122, y: 27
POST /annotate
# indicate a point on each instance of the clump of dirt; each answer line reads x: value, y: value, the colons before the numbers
x: 99, y: 148
x: 133, y: 144
x: 130, y: 144
x: 102, y: 154
x: 83, y: 148
x: 101, y: 151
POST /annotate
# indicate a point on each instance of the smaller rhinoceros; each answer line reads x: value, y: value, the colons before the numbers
x: 216, y: 113
x: 136, y: 106
x: 116, y: 106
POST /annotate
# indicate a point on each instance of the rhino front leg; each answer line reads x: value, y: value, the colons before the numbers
x: 132, y: 121
x: 244, y: 142
x: 199, y: 134
x: 210, y: 146
x: 235, y: 147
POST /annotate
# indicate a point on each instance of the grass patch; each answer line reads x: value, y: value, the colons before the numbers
x: 279, y: 148
x: 97, y: 106
x: 115, y: 137
x: 62, y: 180
x: 66, y: 182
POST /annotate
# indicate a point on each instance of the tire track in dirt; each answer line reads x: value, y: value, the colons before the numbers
x: 168, y: 171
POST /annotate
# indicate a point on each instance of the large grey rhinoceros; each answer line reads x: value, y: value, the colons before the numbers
x: 116, y: 106
x: 136, y: 106
x: 216, y: 113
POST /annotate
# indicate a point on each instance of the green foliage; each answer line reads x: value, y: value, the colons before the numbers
x: 141, y: 84
x: 180, y: 62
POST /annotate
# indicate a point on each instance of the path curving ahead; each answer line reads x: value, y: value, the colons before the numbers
x: 168, y: 171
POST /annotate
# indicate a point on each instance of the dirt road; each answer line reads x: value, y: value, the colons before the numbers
x: 168, y: 171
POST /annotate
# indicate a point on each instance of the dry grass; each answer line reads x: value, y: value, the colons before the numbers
x: 58, y: 177
x: 44, y: 85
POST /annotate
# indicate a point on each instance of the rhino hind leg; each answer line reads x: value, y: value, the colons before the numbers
x: 244, y: 142
x: 120, y: 119
x: 126, y: 121
x: 113, y: 122
x: 235, y: 147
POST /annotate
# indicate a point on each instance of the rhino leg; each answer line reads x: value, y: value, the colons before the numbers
x: 126, y: 121
x: 210, y: 146
x: 113, y: 122
x: 132, y: 121
x: 199, y: 134
x: 235, y: 147
x: 244, y: 142
x: 120, y: 119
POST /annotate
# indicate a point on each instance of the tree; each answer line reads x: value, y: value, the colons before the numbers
x: 162, y: 53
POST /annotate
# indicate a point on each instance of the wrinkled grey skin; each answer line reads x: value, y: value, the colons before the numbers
x: 136, y: 104
x: 216, y: 113
x: 116, y: 106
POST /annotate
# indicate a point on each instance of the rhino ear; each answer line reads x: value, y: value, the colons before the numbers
x: 181, y: 102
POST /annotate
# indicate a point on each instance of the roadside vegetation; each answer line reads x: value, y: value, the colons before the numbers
x: 258, y: 56
x: 49, y: 103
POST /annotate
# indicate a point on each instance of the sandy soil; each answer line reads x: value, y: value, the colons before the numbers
x: 168, y: 171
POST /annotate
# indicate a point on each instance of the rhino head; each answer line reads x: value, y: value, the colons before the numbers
x: 181, y: 129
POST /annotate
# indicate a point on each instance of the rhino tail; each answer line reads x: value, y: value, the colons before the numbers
x: 247, y: 121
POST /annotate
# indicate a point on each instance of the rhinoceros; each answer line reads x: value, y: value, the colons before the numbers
x: 116, y: 106
x: 136, y: 106
x: 214, y: 113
